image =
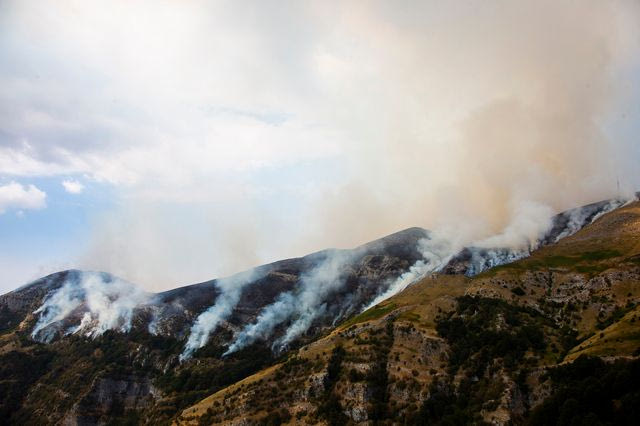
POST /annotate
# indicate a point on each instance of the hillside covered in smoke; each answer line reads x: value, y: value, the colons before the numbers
x: 228, y: 328
x: 278, y: 302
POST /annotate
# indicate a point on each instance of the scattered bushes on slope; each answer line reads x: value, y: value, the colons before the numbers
x: 487, y: 337
x: 378, y: 377
x: 197, y: 380
x: 591, y: 391
x: 18, y: 371
x: 482, y: 330
x: 329, y: 407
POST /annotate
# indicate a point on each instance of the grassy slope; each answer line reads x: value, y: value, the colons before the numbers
x: 604, y: 257
x: 622, y: 338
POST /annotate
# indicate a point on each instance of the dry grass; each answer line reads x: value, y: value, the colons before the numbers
x: 619, y: 339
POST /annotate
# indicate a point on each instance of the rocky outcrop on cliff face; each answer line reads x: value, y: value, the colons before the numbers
x: 367, y: 367
x: 110, y: 397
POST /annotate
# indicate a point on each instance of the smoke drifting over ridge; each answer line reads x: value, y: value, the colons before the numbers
x: 517, y: 242
x: 328, y: 124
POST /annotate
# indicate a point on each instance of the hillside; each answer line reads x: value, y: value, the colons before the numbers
x: 286, y: 342
x: 513, y: 344
x: 96, y: 347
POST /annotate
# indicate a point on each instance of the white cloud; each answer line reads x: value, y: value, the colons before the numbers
x: 72, y: 186
x: 15, y: 195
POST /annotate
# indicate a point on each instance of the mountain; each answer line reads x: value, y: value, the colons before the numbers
x: 360, y: 273
x: 81, y: 347
x: 103, y: 338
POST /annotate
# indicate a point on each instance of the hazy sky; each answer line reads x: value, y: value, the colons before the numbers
x: 172, y: 142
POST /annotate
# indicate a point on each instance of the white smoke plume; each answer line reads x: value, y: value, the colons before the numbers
x: 579, y: 217
x: 530, y: 222
x: 108, y: 304
x: 206, y: 323
x: 154, y: 324
x: 436, y: 251
x: 56, y: 308
x: 317, y: 285
x: 269, y: 318
x: 481, y: 260
x: 524, y: 233
x: 304, y: 304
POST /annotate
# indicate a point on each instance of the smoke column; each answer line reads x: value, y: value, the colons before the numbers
x: 317, y: 286
x: 436, y: 250
x: 208, y: 321
x: 106, y: 303
x: 304, y: 304
x: 489, y: 119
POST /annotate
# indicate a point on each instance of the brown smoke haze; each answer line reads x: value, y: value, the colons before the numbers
x: 473, y: 111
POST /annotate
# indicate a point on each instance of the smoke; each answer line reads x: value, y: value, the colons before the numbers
x: 304, y: 304
x: 491, y: 118
x: 531, y: 227
x: 527, y: 223
x: 577, y: 218
x: 483, y: 259
x: 91, y: 303
x: 530, y: 221
x: 317, y: 285
x: 105, y: 302
x: 436, y: 251
x: 206, y: 323
x: 269, y: 318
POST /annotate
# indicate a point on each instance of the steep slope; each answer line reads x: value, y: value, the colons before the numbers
x: 452, y: 349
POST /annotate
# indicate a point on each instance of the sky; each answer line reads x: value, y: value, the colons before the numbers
x: 171, y: 142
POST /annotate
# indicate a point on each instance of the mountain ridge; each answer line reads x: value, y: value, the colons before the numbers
x: 141, y: 376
